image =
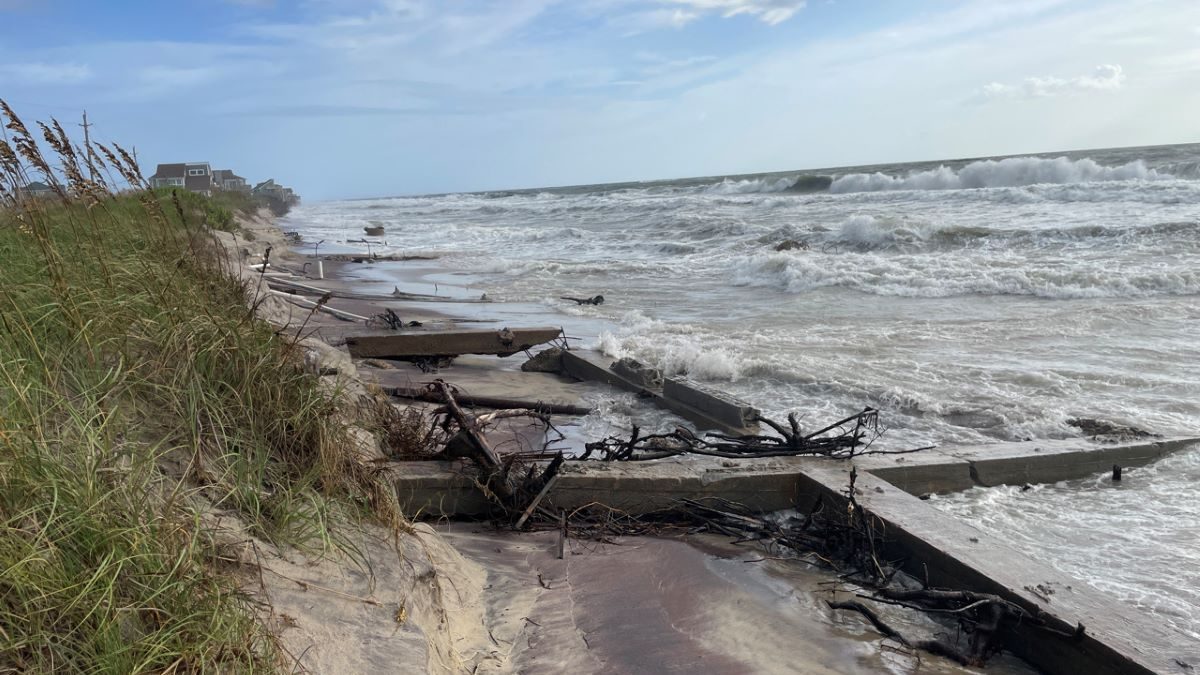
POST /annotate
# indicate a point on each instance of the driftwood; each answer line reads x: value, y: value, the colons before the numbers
x: 511, y: 488
x: 476, y: 447
x: 846, y: 438
x: 594, y: 300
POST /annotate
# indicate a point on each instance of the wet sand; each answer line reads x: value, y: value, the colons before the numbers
x: 653, y: 605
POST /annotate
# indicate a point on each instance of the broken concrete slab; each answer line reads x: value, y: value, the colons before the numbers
x: 643, y: 487
x: 425, y: 343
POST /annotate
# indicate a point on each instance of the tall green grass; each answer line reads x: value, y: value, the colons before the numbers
x: 138, y: 397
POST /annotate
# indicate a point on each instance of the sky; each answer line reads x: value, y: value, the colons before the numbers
x: 360, y: 98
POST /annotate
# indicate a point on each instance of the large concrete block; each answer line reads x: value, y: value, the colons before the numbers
x: 714, y: 404
x: 638, y: 373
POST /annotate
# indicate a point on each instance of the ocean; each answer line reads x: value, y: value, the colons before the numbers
x: 971, y: 301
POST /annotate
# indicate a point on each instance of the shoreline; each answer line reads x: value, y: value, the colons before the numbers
x: 345, y: 282
x: 830, y: 635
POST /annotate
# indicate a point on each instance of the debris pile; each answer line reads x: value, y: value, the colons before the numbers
x: 846, y: 438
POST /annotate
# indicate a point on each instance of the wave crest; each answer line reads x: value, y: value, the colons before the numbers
x: 925, y: 276
x: 805, y: 183
x: 990, y: 173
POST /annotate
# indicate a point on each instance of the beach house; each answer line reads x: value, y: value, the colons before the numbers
x: 194, y: 176
x: 226, y: 179
x: 37, y: 189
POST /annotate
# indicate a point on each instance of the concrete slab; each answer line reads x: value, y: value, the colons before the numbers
x: 717, y: 405
x: 1052, y: 461
x: 422, y: 343
x: 952, y: 554
x: 643, y: 487
x: 769, y: 484
x: 592, y: 366
x: 595, y: 367
x: 478, y: 376
x: 920, y: 473
x: 437, y: 490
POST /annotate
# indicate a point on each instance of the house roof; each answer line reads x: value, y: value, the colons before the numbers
x: 225, y: 174
x: 170, y: 171
x: 36, y: 187
x: 177, y: 170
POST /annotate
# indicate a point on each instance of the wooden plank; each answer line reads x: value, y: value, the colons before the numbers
x: 504, y: 342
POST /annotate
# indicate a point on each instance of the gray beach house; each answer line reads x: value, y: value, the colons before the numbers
x: 194, y: 176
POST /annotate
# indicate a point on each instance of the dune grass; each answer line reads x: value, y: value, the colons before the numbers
x: 139, y: 398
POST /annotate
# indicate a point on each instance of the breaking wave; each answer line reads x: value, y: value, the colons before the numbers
x: 799, y: 184
x: 870, y: 233
x: 749, y: 186
x: 1010, y: 172
x: 926, y: 276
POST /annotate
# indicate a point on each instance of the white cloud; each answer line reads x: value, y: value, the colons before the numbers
x: 45, y: 73
x: 768, y: 11
x: 1108, y: 77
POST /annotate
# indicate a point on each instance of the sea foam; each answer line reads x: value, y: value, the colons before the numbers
x: 1009, y: 172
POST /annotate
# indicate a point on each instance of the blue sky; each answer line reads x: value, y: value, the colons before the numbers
x: 357, y: 98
